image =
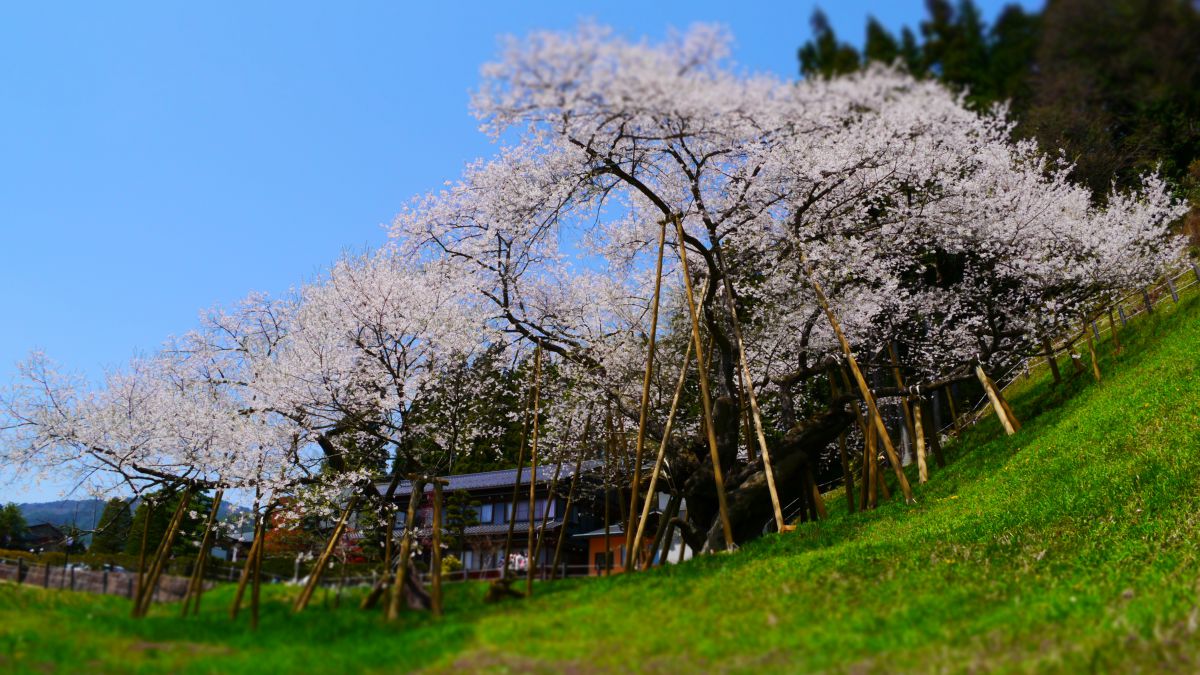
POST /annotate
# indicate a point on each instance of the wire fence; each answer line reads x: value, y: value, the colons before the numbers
x: 1139, y: 302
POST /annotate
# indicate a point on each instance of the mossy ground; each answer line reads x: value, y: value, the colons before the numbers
x: 1072, y: 546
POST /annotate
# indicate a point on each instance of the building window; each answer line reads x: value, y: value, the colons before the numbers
x: 485, y: 513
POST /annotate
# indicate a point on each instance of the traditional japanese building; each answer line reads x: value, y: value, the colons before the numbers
x: 491, y: 494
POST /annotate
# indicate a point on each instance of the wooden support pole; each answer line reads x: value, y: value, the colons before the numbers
x: 147, y: 596
x: 436, y: 554
x: 533, y: 466
x: 659, y: 458
x: 847, y: 473
x: 1092, y: 354
x: 401, y: 576
x: 818, y: 502
x: 954, y: 409
x: 705, y: 398
x: 1007, y: 419
x: 1171, y: 288
x: 905, y: 408
x: 663, y: 522
x: 141, y: 573
x: 196, y: 584
x: 558, y: 545
x: 247, y: 567
x: 919, y: 442
x: 934, y: 433
x: 859, y: 379
x: 1146, y: 299
x: 1112, y: 324
x: 1051, y: 360
x: 516, y: 493
x: 645, y: 402
x: 255, y: 591
x: 318, y: 569
x: 550, y: 497
x: 871, y: 460
x: 748, y: 379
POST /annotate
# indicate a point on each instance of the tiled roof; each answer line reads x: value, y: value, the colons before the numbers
x: 490, y: 529
x: 614, y: 530
x: 494, y: 479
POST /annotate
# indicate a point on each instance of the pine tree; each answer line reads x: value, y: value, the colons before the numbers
x: 112, y: 533
x: 12, y: 526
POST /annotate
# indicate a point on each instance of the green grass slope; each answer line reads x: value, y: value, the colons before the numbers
x: 1072, y: 546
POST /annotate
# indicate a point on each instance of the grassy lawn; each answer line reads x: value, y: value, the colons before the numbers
x: 1072, y: 546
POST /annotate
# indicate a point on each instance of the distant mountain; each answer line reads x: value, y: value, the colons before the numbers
x: 82, y: 513
x: 85, y: 513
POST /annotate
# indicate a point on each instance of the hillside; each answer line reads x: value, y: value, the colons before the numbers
x: 1073, y: 545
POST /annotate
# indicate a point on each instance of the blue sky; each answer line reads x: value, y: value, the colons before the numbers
x: 160, y: 158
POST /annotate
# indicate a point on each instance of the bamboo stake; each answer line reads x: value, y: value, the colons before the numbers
x: 645, y: 403
x: 257, y: 580
x: 658, y: 460
x: 141, y: 576
x: 1092, y: 353
x: 314, y: 577
x: 748, y: 381
x: 550, y: 496
x: 953, y: 409
x: 147, y: 573
x: 818, y: 502
x: 533, y: 466
x: 847, y: 474
x: 397, y: 590
x: 1011, y: 425
x: 706, y: 401
x: 160, y: 561
x: 512, y: 516
x: 558, y: 544
x: 905, y: 406
x: 870, y: 454
x: 247, y: 569
x: 663, y: 523
x: 934, y: 432
x: 1112, y: 323
x: 196, y: 583
x: 919, y: 438
x: 436, y: 554
x: 1051, y: 360
x: 608, y: 446
x: 868, y: 397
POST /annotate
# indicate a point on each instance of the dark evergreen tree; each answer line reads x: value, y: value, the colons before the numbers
x: 12, y: 526
x: 112, y: 532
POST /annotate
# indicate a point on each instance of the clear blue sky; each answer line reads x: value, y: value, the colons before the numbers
x: 160, y: 158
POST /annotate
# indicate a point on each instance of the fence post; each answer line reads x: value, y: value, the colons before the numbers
x: 1095, y: 331
x: 1146, y: 298
x: 72, y: 578
x: 104, y: 583
x: 1196, y: 269
x: 1171, y: 287
x: 20, y: 570
x: 1124, y: 320
x: 46, y: 582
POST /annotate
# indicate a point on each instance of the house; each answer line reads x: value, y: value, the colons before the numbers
x: 492, y: 491
x: 44, y: 537
x: 606, y: 546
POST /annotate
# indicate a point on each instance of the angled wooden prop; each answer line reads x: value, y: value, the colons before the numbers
x: 662, y: 449
x: 645, y: 403
x: 533, y: 467
x: 755, y: 414
x: 874, y: 416
x: 705, y: 400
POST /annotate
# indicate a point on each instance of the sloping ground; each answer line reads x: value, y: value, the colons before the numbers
x: 1072, y: 546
